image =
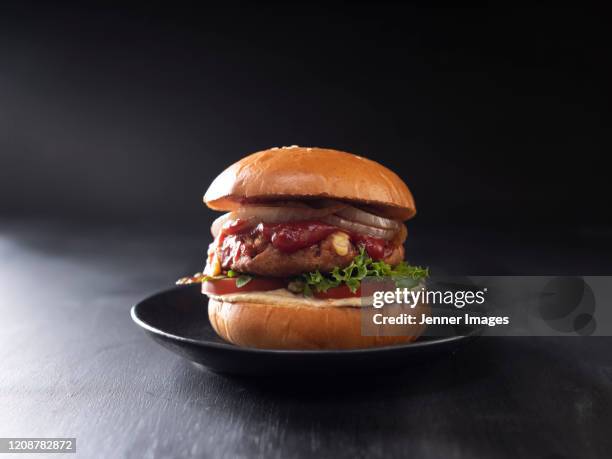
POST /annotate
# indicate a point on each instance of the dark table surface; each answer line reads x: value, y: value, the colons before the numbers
x: 74, y: 364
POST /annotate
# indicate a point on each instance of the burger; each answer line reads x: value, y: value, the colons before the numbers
x: 303, y: 228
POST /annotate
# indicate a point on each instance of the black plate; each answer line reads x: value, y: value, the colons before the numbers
x: 178, y: 320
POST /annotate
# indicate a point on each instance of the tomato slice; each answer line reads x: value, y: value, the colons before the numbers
x: 337, y: 293
x: 226, y: 286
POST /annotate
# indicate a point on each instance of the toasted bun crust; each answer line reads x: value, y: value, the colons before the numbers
x: 298, y: 172
x: 268, y: 326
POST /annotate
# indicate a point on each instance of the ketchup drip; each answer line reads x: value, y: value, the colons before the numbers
x: 377, y: 248
x: 235, y: 226
x: 291, y: 237
x: 229, y: 241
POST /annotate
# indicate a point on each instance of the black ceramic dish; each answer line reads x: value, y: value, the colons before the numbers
x: 178, y: 320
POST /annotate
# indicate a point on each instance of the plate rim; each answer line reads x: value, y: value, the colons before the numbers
x: 477, y: 331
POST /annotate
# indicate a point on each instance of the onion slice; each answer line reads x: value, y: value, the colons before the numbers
x: 360, y: 228
x: 335, y: 213
x: 361, y: 216
x: 219, y: 222
x: 282, y: 214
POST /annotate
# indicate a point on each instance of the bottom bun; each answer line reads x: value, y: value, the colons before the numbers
x: 268, y: 326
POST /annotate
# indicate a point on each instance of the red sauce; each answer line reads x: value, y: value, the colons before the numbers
x: 377, y: 248
x: 292, y: 236
x: 235, y: 226
x: 231, y: 245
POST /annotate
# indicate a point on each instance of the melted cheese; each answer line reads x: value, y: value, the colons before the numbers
x: 285, y: 298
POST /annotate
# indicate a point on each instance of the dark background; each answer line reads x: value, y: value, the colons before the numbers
x: 113, y: 121
x: 126, y: 114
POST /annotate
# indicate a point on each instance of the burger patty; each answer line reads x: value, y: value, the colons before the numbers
x: 255, y: 255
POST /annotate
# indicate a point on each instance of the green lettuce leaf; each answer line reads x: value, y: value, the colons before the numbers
x: 362, y: 266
